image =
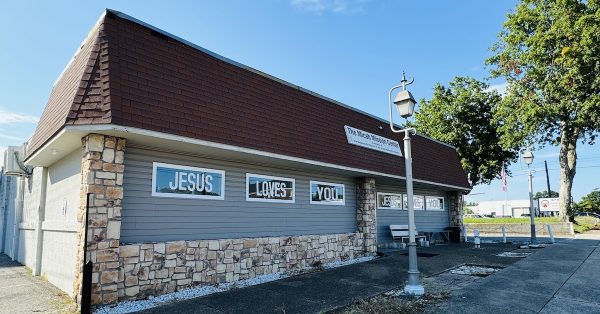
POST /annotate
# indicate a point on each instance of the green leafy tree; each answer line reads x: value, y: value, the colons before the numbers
x: 544, y: 194
x: 462, y: 115
x: 549, y: 54
x: 590, y: 202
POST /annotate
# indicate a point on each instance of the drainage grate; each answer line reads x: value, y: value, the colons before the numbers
x: 421, y: 254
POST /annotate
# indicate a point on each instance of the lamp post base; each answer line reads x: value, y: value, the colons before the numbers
x: 413, y: 287
x: 533, y: 236
x: 414, y: 290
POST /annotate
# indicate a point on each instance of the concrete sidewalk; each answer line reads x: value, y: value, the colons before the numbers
x: 562, y: 278
x: 20, y: 292
x: 330, y: 289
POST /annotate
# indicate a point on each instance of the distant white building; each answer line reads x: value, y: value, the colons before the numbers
x: 509, y: 208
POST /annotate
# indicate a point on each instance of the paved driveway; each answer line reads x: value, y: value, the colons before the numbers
x: 330, y: 289
x: 562, y: 278
x: 20, y: 292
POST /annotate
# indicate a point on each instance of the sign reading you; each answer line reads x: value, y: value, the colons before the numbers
x: 260, y: 188
x: 389, y: 200
x: 434, y: 203
x: 372, y: 141
x: 326, y: 193
x: 187, y: 182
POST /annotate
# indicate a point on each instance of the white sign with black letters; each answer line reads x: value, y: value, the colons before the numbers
x: 261, y: 188
x: 187, y: 182
x: 389, y: 200
x: 418, y: 201
x: 326, y: 193
x: 434, y: 203
x: 372, y: 141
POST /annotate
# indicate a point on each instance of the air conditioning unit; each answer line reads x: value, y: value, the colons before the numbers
x: 11, y: 164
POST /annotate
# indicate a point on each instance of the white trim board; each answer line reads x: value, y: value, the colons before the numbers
x: 123, y: 131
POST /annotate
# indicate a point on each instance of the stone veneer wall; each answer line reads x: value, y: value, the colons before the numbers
x: 102, y: 177
x: 455, y: 206
x: 366, y: 215
x: 158, y: 268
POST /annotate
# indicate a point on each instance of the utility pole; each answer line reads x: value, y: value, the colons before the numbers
x: 547, y: 178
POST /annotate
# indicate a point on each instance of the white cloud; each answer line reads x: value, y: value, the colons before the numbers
x: 7, y: 117
x: 500, y: 88
x: 9, y: 137
x: 333, y: 6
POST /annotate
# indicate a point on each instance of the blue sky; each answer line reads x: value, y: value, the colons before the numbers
x: 350, y: 50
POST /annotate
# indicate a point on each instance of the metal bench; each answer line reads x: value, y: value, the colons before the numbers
x: 401, y: 232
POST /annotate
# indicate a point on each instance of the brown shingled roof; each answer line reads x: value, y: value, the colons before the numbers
x: 131, y: 74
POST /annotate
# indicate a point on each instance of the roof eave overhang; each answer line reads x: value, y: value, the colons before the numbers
x: 69, y: 139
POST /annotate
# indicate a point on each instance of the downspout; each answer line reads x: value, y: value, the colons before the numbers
x: 39, y: 232
x: 18, y: 217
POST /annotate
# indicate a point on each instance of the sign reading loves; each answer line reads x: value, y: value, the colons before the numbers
x: 261, y: 188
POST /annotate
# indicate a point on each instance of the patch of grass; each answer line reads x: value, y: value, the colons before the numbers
x: 505, y: 220
x: 387, y: 304
x: 62, y: 303
x: 583, y: 224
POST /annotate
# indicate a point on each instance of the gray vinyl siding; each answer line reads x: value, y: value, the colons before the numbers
x: 146, y: 218
x: 425, y: 220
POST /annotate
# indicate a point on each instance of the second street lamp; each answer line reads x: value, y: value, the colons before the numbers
x: 405, y: 104
x: 528, y: 159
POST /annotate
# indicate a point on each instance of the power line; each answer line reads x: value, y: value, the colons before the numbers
x: 553, y: 169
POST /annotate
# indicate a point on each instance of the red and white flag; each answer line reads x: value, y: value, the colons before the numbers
x: 503, y: 175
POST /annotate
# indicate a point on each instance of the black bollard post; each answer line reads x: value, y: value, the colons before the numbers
x: 86, y: 282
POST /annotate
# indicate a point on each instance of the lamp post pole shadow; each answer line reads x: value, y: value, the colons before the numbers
x: 405, y: 104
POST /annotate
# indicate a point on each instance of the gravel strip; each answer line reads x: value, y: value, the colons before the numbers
x: 139, y: 305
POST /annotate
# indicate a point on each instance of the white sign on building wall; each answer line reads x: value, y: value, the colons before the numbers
x: 389, y: 200
x: 548, y: 204
x: 418, y: 201
x: 325, y: 193
x: 187, y: 182
x: 372, y: 141
x: 434, y: 203
x: 261, y: 188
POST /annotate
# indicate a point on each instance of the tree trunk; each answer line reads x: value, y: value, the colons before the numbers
x: 567, y: 159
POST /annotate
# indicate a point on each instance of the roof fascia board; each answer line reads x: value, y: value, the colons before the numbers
x: 83, y: 43
x: 243, y: 66
x: 45, y: 146
x: 172, y: 137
